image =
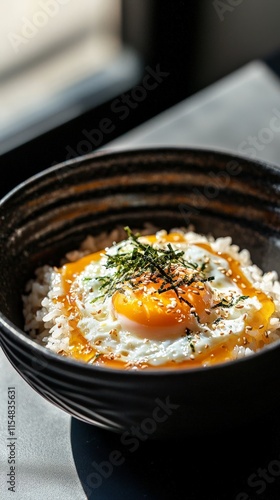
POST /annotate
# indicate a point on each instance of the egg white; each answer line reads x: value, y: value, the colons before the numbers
x: 104, y: 330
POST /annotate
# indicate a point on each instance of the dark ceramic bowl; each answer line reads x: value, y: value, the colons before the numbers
x: 53, y: 211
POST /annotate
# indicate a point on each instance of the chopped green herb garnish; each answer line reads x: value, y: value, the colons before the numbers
x: 95, y: 357
x: 166, y: 265
x: 230, y: 303
x: 191, y: 343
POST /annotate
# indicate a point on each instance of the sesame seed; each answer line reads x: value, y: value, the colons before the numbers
x: 239, y: 306
x: 261, y: 326
x: 207, y: 311
x: 243, y: 285
x: 140, y: 303
x: 196, y: 292
x: 191, y: 356
x: 248, y: 328
x: 192, y: 310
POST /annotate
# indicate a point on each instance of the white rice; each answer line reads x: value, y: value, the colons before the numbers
x: 47, y: 324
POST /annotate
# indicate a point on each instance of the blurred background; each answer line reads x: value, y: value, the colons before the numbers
x: 76, y: 74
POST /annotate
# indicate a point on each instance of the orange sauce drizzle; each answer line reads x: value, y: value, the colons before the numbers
x: 82, y: 350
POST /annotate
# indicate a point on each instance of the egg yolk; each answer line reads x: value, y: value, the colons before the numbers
x: 149, y: 313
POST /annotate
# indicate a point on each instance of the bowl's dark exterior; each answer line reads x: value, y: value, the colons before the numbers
x: 52, y: 213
